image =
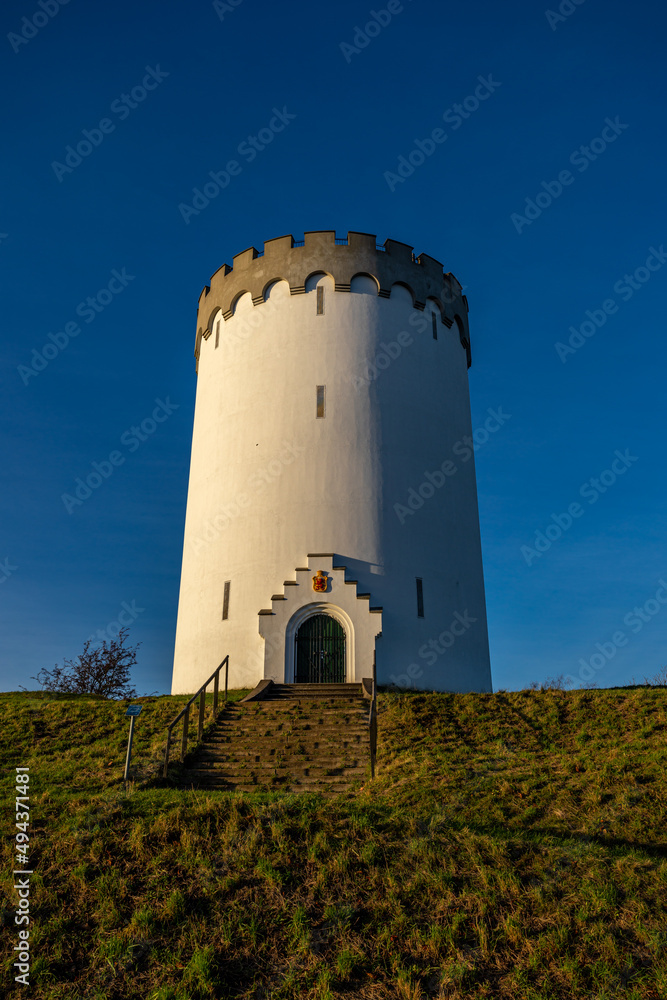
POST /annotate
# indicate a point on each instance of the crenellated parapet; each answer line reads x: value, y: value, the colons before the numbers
x: 320, y: 252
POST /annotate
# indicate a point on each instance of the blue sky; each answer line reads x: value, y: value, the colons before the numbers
x: 567, y: 127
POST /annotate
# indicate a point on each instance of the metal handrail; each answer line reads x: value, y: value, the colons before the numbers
x: 373, y: 721
x: 185, y: 712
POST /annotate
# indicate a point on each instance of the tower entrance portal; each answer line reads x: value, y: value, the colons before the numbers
x: 319, y: 653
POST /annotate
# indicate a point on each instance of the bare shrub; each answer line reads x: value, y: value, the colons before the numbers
x: 102, y: 670
x: 550, y: 684
x: 658, y: 680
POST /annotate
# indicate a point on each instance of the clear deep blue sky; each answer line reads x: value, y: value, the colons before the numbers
x: 553, y: 87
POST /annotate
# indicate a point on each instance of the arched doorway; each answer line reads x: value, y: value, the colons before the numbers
x: 319, y: 654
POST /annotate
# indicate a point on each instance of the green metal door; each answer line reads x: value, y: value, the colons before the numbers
x: 320, y: 651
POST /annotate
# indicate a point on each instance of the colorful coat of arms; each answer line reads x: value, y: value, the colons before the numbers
x: 320, y: 582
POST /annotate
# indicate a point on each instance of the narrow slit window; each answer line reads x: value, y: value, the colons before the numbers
x: 225, y: 601
x: 217, y: 332
x: 320, y: 301
x: 434, y: 320
x: 320, y: 401
x: 420, y: 597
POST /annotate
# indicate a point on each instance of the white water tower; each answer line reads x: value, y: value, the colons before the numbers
x: 332, y: 504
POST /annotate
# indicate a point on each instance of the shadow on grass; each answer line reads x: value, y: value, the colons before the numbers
x: 537, y: 834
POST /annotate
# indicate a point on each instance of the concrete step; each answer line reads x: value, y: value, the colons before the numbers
x: 285, y: 706
x: 270, y: 748
x: 257, y: 774
x: 270, y: 714
x: 259, y: 777
x: 272, y: 754
x: 313, y: 782
x: 328, y: 791
x: 283, y: 712
x: 263, y: 771
x: 327, y: 751
x: 289, y: 724
x: 307, y: 731
x: 263, y: 727
x: 206, y: 757
x: 267, y: 745
x: 296, y: 686
x: 282, y: 722
x: 316, y: 691
x: 298, y: 730
x: 310, y: 705
x: 311, y: 767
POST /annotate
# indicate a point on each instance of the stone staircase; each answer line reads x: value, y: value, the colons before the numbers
x: 287, y: 737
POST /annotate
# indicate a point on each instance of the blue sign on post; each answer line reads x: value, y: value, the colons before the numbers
x: 133, y: 711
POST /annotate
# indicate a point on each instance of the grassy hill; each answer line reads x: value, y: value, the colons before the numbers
x: 512, y: 845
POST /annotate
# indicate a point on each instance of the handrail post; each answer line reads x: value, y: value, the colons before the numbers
x: 374, y: 736
x: 216, y: 684
x: 374, y: 720
x: 166, y: 753
x: 186, y: 720
x: 226, y: 677
x: 202, y: 709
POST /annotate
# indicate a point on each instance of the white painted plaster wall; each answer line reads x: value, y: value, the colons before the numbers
x: 270, y: 483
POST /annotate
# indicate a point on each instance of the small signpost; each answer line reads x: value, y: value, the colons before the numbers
x: 132, y: 711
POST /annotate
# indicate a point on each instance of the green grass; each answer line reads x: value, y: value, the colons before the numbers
x: 512, y: 845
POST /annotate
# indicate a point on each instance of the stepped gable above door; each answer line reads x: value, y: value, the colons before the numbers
x: 319, y: 588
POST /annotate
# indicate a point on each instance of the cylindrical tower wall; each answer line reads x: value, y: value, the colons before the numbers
x: 381, y: 476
